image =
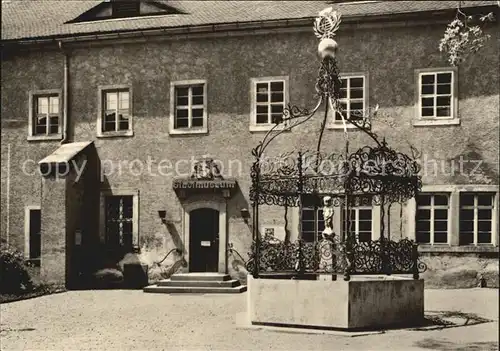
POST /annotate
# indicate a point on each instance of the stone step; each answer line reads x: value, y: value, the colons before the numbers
x: 194, y: 290
x: 204, y: 277
x: 199, y: 283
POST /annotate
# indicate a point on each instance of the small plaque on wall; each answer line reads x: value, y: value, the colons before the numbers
x: 205, y: 243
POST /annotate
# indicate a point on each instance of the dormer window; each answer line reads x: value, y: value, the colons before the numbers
x: 118, y: 9
x: 125, y: 8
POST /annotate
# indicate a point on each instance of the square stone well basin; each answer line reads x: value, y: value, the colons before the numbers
x: 363, y: 303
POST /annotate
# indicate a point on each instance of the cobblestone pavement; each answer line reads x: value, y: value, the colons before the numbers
x: 121, y: 319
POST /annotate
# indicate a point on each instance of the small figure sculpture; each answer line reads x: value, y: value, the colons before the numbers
x: 327, y: 217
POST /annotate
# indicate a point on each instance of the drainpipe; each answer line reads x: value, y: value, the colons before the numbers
x: 65, y: 95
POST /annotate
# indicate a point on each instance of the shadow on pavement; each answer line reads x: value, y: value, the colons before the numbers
x: 443, y: 345
x: 450, y: 319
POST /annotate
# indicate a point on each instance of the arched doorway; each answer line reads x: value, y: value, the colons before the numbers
x: 203, y: 240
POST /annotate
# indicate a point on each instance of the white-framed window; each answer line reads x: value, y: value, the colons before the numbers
x: 115, y: 111
x: 188, y: 107
x: 120, y: 219
x: 476, y: 218
x: 353, y: 99
x: 32, y: 234
x: 436, y: 97
x: 432, y: 218
x: 313, y: 224
x: 269, y: 96
x: 361, y: 222
x: 45, y: 115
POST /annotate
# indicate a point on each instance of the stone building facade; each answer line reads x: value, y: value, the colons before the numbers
x: 142, y: 104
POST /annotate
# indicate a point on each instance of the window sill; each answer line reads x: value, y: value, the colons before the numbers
x: 266, y: 127
x: 340, y: 126
x: 128, y: 133
x: 457, y: 249
x: 436, y: 122
x: 189, y: 131
x: 54, y: 137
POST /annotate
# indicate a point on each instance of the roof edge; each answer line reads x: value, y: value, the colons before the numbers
x: 238, y: 26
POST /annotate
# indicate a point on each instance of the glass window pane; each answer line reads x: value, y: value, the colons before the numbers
x: 43, y: 105
x: 427, y: 102
x: 466, y: 238
x: 423, y: 226
x: 467, y: 215
x: 423, y: 215
x: 54, y: 104
x: 440, y: 200
x: 484, y: 214
x: 197, y: 90
x: 444, y: 89
x: 365, y: 226
x: 182, y: 113
x: 427, y: 112
x: 443, y: 112
x: 262, y: 97
x: 262, y: 109
x: 111, y: 101
x: 124, y: 100
x: 357, y: 82
x: 444, y: 78
x: 197, y: 100
x: 123, y: 122
x: 423, y: 237
x: 441, y: 214
x: 423, y: 200
x: 357, y: 105
x: 427, y: 89
x: 343, y: 93
x: 182, y: 91
x: 277, y: 86
x: 277, y: 97
x: 365, y: 214
x: 466, y: 199
x: 466, y: 226
x: 484, y: 238
x: 197, y: 112
x: 440, y: 226
x: 344, y: 83
x: 484, y: 226
x: 428, y: 78
x: 182, y: 101
x: 485, y: 200
x: 308, y: 225
x: 262, y: 118
x: 277, y: 108
x: 181, y: 123
x: 443, y: 101
x: 356, y: 93
x: 262, y: 88
x: 307, y: 214
x: 440, y: 238
x: 197, y: 122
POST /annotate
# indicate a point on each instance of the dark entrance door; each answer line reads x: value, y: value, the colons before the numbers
x: 204, y: 240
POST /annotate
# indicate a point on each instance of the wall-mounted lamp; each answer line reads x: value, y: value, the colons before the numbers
x: 245, y: 215
x: 162, y: 214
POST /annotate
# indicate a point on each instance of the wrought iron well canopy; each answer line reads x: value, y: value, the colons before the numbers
x: 375, y: 173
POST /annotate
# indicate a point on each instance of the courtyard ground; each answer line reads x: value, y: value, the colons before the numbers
x: 133, y: 320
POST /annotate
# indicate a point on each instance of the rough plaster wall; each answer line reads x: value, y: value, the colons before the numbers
x: 228, y: 64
